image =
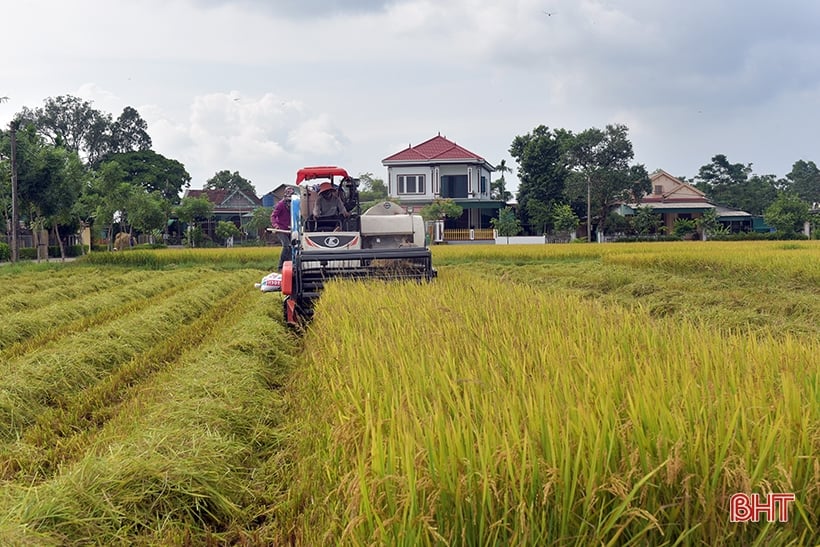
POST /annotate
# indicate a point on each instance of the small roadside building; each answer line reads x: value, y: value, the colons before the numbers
x: 440, y: 168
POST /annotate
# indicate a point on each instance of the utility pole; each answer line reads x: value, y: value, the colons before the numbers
x: 15, y: 224
x: 589, y: 210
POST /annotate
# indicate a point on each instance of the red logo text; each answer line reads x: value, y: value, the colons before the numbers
x: 773, y: 508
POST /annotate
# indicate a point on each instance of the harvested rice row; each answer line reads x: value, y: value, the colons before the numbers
x: 32, y: 291
x: 52, y: 376
x: 176, y: 464
x: 21, y: 279
x: 63, y: 433
x: 467, y: 412
x: 62, y: 317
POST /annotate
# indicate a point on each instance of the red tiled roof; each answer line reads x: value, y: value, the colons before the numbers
x: 437, y: 148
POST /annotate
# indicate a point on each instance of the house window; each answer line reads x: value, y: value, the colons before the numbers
x: 658, y: 189
x: 410, y: 184
x: 483, y: 189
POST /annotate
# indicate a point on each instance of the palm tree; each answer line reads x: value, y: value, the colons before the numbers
x: 499, y: 187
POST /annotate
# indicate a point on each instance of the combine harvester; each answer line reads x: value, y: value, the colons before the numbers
x: 384, y: 242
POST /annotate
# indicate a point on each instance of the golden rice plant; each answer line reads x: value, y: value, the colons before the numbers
x: 469, y: 412
x: 263, y: 258
x: 795, y: 261
x: 765, y: 287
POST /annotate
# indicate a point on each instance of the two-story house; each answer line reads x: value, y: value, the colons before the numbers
x: 440, y: 168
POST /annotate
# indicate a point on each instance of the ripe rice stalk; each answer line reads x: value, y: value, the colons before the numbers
x: 264, y: 258
x: 504, y: 393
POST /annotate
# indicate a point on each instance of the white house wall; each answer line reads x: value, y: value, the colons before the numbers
x: 432, y: 177
x: 395, y: 172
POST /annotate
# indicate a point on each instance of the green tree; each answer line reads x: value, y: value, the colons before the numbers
x: 67, y: 180
x: 371, y: 190
x: 68, y: 121
x: 758, y: 193
x: 646, y: 221
x: 225, y: 180
x: 129, y: 133
x: 226, y: 230
x: 507, y: 224
x: 441, y: 208
x: 542, y: 172
x: 152, y: 172
x: 192, y: 210
x: 602, y: 175
x: 683, y: 227
x: 734, y: 185
x: 260, y: 220
x: 540, y: 215
x: 498, y: 188
x: 788, y: 214
x: 564, y: 218
x: 804, y: 180
x: 75, y: 124
x: 49, y: 182
x: 147, y: 213
x: 106, y: 196
x: 708, y: 224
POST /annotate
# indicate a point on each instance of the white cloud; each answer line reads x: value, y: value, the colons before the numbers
x: 332, y: 81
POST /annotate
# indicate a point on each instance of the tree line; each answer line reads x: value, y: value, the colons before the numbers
x: 587, y: 174
x: 78, y: 166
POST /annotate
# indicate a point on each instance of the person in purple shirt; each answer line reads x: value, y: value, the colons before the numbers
x: 280, y: 220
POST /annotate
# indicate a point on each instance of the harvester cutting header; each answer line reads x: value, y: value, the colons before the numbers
x: 332, y: 238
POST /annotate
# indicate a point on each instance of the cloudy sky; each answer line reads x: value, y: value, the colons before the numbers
x: 264, y: 87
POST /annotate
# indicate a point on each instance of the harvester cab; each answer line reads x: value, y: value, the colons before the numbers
x: 332, y: 238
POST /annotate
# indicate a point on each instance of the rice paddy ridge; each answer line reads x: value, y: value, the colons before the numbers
x: 36, y: 289
x: 42, y: 378
x: 178, y: 464
x: 63, y: 433
x: 25, y: 330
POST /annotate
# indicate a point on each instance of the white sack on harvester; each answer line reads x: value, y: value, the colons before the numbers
x: 270, y: 283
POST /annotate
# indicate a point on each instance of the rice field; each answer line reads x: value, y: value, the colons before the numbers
x: 532, y: 395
